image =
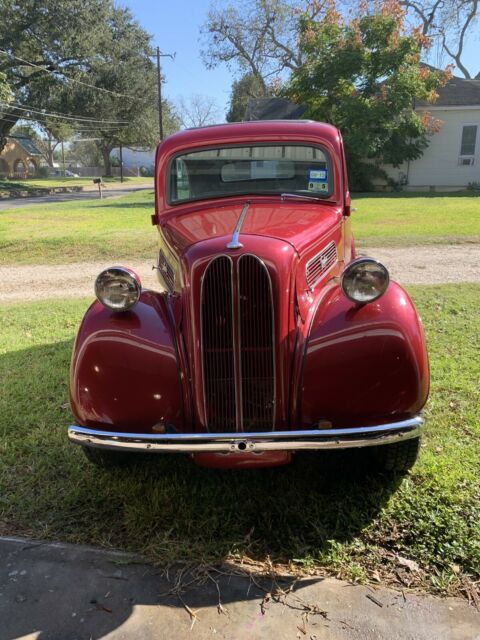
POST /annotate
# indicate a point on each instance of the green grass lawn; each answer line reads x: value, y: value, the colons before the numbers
x: 120, y: 228
x: 117, y: 228
x: 410, y: 219
x: 317, y: 515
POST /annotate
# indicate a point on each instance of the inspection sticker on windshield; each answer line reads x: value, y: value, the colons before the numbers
x: 318, y: 180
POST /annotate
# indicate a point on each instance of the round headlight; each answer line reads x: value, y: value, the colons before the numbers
x: 365, y: 280
x: 118, y: 288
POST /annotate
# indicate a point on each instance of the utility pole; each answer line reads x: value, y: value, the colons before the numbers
x: 159, y: 81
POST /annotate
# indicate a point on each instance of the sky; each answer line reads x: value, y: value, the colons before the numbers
x: 175, y: 26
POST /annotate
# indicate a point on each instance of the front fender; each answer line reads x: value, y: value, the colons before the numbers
x: 364, y: 364
x: 124, y: 373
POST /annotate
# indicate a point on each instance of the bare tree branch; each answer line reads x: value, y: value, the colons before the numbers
x: 426, y: 14
x: 197, y: 111
x: 447, y: 22
x: 261, y: 36
x: 457, y: 55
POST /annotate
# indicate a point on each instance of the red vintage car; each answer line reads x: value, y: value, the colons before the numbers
x: 270, y: 336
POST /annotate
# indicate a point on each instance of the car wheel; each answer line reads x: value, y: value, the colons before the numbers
x: 108, y: 459
x: 398, y: 457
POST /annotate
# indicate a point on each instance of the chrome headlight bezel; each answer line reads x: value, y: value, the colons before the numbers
x: 355, y: 268
x: 128, y: 286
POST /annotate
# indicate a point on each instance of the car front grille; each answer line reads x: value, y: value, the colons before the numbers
x: 238, y: 373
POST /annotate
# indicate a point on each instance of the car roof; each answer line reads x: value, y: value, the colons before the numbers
x: 253, y: 131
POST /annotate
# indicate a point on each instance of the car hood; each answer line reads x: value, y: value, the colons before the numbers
x: 298, y: 223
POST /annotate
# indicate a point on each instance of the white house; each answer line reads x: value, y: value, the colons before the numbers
x: 136, y: 158
x: 452, y: 159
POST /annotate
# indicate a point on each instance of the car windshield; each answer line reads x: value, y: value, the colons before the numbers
x: 260, y: 169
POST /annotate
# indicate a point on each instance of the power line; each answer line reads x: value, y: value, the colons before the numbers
x: 8, y: 117
x: 58, y: 72
x: 14, y: 120
x: 63, y: 116
x: 44, y: 119
x: 79, y: 129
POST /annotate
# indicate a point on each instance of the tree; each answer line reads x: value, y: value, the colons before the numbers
x: 260, y: 36
x: 141, y: 132
x: 364, y: 77
x: 53, y: 134
x: 45, y: 45
x: 257, y: 37
x: 84, y: 152
x: 117, y: 105
x: 80, y: 67
x: 197, y: 110
x: 5, y: 91
x: 444, y: 26
x: 56, y: 132
x: 248, y: 86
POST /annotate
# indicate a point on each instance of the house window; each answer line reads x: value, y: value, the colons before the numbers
x: 469, y: 137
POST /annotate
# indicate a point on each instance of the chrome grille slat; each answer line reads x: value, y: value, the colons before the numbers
x: 167, y: 271
x: 218, y: 346
x: 321, y: 263
x: 257, y: 352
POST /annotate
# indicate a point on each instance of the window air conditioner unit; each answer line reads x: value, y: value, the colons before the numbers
x: 466, y: 162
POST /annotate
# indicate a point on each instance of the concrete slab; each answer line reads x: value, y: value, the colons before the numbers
x: 67, y: 592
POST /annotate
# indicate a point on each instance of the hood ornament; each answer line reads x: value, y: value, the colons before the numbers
x: 234, y: 243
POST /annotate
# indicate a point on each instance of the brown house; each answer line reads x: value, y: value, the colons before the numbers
x: 20, y: 158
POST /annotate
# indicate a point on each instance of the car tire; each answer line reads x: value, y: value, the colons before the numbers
x: 398, y: 457
x: 108, y: 459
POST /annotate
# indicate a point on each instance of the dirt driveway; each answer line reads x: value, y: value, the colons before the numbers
x: 432, y: 264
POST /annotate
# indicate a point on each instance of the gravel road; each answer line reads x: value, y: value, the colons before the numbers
x: 434, y: 264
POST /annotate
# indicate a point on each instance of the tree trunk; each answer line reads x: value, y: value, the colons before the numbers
x: 50, y: 150
x: 107, y: 164
x: 5, y: 127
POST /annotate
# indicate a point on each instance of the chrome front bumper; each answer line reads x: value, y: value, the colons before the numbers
x: 249, y: 442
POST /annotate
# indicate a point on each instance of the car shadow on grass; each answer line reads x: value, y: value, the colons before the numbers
x: 164, y: 506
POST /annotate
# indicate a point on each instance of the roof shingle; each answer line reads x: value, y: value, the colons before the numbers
x: 457, y: 92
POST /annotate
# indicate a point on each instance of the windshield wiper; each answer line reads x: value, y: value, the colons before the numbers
x: 298, y: 196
